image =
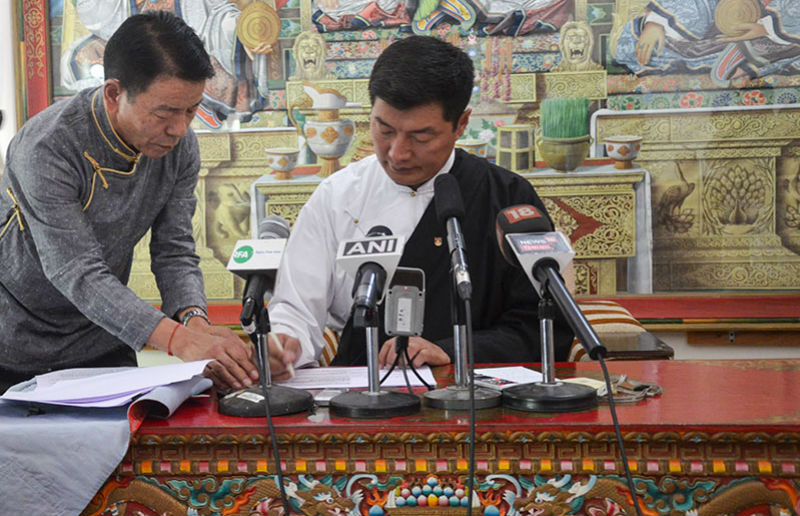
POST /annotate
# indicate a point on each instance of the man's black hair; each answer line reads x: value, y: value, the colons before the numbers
x: 420, y: 70
x: 153, y: 44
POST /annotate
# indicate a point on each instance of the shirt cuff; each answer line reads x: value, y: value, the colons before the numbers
x: 307, y: 351
x: 668, y: 31
x: 138, y: 329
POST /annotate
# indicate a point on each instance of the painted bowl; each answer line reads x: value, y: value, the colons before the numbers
x: 623, y: 149
x: 282, y: 160
x: 475, y: 147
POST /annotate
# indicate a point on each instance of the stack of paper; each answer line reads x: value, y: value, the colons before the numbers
x: 101, y: 387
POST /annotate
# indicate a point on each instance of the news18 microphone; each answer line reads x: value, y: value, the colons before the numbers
x: 372, y: 261
x: 450, y: 211
x: 526, y: 240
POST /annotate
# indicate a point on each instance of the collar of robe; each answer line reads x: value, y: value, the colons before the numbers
x: 115, y: 143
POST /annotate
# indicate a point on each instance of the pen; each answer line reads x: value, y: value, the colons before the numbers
x: 289, y: 367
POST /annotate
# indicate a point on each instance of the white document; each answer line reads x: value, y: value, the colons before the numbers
x: 101, y: 387
x: 352, y: 378
x: 116, y: 386
x: 500, y: 378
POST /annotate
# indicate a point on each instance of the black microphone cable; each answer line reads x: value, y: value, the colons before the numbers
x: 618, y: 432
x: 275, y: 451
x: 263, y: 359
x: 403, y: 362
x: 471, y: 367
x: 401, y: 348
x: 416, y: 373
x: 597, y: 353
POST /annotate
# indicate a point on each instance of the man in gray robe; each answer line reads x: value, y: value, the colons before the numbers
x: 84, y: 181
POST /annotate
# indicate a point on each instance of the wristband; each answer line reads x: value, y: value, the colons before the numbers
x: 169, y: 342
x: 194, y: 312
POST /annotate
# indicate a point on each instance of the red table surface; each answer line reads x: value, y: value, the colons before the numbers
x: 698, y: 396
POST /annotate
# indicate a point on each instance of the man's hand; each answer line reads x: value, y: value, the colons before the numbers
x: 233, y: 366
x: 261, y: 49
x: 282, y: 355
x: 420, y: 351
x: 651, y: 40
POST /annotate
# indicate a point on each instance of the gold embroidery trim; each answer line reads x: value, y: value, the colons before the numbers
x: 16, y: 214
x: 98, y: 172
x: 130, y: 155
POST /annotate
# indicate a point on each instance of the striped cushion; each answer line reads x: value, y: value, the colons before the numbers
x: 331, y: 345
x: 605, y: 317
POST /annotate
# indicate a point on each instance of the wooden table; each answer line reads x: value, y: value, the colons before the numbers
x: 723, y: 438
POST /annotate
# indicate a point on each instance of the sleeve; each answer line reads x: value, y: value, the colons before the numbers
x: 72, y: 259
x: 304, y: 288
x: 215, y: 24
x: 174, y: 261
x: 691, y: 19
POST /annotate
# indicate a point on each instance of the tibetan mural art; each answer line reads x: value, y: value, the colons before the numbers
x: 712, y: 87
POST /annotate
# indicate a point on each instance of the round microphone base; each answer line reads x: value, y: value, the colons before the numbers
x: 366, y: 405
x: 250, y: 402
x: 454, y: 397
x: 550, y: 397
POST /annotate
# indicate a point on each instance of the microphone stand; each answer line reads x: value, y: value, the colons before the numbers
x: 280, y: 400
x: 549, y: 395
x: 456, y: 396
x: 372, y: 403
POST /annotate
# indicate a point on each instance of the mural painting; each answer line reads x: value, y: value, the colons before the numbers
x: 711, y: 86
x: 418, y: 495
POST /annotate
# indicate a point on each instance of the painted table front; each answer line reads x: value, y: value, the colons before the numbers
x: 723, y: 438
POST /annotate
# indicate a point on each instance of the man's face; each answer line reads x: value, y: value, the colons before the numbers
x: 153, y: 121
x: 412, y: 145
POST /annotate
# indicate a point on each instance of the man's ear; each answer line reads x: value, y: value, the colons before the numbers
x: 463, y: 120
x: 112, y: 95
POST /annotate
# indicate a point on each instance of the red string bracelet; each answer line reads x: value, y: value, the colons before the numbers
x: 169, y: 342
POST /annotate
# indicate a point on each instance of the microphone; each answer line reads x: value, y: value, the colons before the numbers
x: 526, y: 240
x: 273, y: 226
x: 450, y: 211
x: 370, y: 260
x: 257, y: 261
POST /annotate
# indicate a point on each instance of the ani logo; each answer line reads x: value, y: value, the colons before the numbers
x: 242, y: 254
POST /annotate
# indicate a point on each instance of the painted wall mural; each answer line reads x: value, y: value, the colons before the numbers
x: 711, y: 86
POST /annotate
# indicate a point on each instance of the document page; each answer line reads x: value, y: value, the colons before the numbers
x: 352, y: 378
